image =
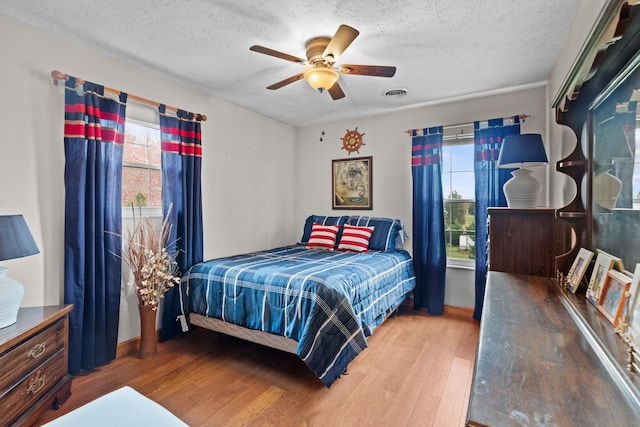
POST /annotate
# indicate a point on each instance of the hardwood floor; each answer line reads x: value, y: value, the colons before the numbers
x: 416, y: 371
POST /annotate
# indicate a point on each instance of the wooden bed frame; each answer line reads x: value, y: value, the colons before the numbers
x: 259, y: 337
x: 264, y: 338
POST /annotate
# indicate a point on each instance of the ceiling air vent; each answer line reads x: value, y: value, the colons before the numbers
x: 395, y: 93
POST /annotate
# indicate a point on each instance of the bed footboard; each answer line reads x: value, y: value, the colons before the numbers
x: 264, y: 338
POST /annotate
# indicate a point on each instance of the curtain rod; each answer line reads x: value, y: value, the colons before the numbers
x: 522, y: 117
x: 57, y: 75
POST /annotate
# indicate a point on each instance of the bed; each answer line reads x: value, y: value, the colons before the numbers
x: 320, y: 298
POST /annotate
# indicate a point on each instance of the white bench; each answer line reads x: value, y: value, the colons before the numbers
x: 122, y: 407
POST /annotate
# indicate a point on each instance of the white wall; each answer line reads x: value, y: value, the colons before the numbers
x: 390, y: 147
x: 248, y: 182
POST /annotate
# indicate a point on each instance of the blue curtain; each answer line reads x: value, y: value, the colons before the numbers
x: 93, y: 145
x: 487, y: 138
x: 429, y: 253
x: 181, y: 187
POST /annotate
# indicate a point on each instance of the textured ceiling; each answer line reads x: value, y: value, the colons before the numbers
x: 441, y: 48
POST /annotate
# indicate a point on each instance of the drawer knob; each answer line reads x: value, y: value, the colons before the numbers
x: 37, y: 350
x: 36, y: 383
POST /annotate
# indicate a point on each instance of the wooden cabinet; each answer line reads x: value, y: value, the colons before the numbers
x: 594, y: 98
x: 34, y: 364
x: 547, y: 357
x: 526, y: 241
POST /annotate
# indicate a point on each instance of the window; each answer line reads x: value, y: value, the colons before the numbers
x: 141, y: 179
x: 458, y: 188
x: 141, y: 168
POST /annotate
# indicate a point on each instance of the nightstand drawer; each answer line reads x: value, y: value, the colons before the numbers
x: 19, y: 361
x: 32, y: 388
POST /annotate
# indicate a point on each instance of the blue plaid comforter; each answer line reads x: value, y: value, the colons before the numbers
x: 327, y: 301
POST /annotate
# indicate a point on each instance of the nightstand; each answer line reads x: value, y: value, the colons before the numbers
x: 34, y: 364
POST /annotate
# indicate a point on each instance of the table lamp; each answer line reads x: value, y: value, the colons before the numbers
x: 522, y: 190
x: 15, y: 242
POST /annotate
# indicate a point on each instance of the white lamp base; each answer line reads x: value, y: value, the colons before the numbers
x: 522, y: 190
x: 11, y: 292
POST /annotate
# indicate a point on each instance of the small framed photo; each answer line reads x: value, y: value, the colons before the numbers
x: 579, y: 267
x: 614, y: 295
x: 604, y: 263
x: 352, y: 183
x: 617, y: 261
x: 634, y: 289
x: 633, y: 331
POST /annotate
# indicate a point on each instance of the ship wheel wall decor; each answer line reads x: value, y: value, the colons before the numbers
x: 352, y: 141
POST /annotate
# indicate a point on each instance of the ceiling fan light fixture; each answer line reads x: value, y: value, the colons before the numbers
x: 321, y: 53
x: 321, y: 78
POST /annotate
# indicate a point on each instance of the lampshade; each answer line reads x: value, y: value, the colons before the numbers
x: 520, y: 149
x: 321, y: 78
x: 16, y: 241
x: 522, y: 190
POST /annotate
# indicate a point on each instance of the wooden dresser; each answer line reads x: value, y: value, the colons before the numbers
x: 34, y: 364
x: 546, y: 357
x: 526, y: 241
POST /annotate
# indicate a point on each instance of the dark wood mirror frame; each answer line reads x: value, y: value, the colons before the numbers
x: 602, y: 66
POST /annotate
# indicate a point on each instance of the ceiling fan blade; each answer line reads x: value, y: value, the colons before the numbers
x: 286, y: 81
x: 340, y: 41
x: 368, y: 70
x: 336, y: 92
x: 271, y: 52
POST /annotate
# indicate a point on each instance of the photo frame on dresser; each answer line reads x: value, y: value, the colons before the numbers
x: 579, y: 267
x: 633, y: 328
x: 617, y: 261
x: 604, y: 263
x: 614, y: 295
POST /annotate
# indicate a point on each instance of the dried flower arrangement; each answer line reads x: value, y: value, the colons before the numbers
x: 154, y: 268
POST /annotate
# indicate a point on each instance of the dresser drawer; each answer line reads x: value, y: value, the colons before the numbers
x: 26, y: 393
x: 19, y: 361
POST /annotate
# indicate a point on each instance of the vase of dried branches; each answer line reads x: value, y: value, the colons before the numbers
x: 148, y: 335
x: 154, y: 270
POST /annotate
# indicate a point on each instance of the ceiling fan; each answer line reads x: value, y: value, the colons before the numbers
x: 319, y: 68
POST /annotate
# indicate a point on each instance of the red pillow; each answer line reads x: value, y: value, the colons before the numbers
x: 355, y: 238
x: 323, y: 236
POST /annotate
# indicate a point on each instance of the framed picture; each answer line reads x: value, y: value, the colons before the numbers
x: 617, y: 262
x: 604, y: 263
x: 633, y: 331
x: 352, y: 186
x: 614, y: 295
x: 576, y: 273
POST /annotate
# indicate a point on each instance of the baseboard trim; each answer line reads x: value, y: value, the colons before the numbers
x: 459, y: 311
x: 130, y: 347
x: 448, y: 309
